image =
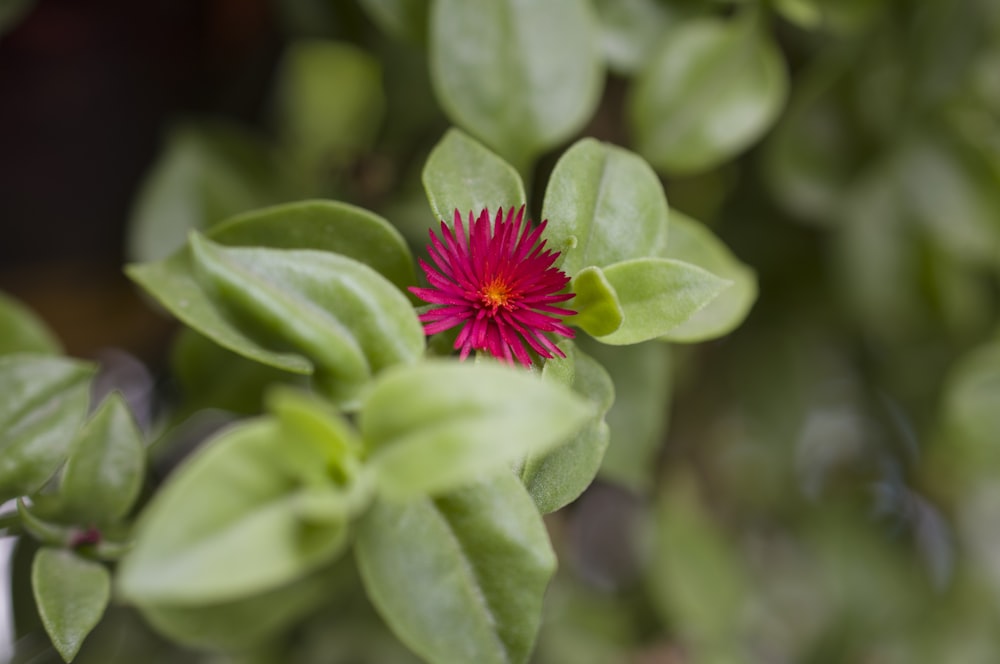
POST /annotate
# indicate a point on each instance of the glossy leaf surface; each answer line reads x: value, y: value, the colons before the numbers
x: 461, y: 174
x: 694, y: 243
x: 242, y: 531
x: 440, y: 571
x: 71, y: 593
x: 604, y: 205
x: 438, y: 425
x: 45, y: 401
x: 106, y: 466
x: 657, y: 295
x: 556, y: 478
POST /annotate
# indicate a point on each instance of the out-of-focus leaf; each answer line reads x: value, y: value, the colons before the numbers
x: 972, y: 413
x: 11, y: 13
x: 227, y: 525
x: 709, y: 92
x: 211, y: 376
x: 401, y: 18
x: 330, y: 102
x: 459, y: 578
x: 438, y: 425
x: 642, y: 376
x: 604, y: 205
x: 630, y: 30
x: 693, y: 243
x: 520, y: 76
x: 106, y: 465
x: 461, y: 174
x: 45, y: 401
x: 657, y: 295
x: 71, y: 594
x: 955, y: 193
x: 697, y: 580
x: 556, y: 478
x: 204, y: 175
x: 22, y: 331
x: 814, y: 152
x: 244, y: 623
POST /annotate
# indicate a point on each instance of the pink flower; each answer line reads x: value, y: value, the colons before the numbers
x: 497, y: 282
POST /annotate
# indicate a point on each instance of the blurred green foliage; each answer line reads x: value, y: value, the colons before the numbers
x: 822, y: 485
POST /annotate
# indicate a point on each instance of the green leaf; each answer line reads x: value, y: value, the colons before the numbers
x: 244, y: 623
x: 599, y: 311
x: 227, y: 524
x: 406, y: 19
x: 971, y: 406
x: 630, y: 30
x: 106, y: 466
x: 694, y: 243
x: 954, y: 193
x: 44, y: 402
x: 642, y: 376
x: 461, y: 174
x: 342, y: 314
x: 459, y: 578
x: 331, y: 226
x: 330, y: 102
x: 499, y: 72
x: 710, y: 91
x: 71, y: 594
x: 204, y: 174
x: 696, y: 578
x: 172, y: 283
x: 557, y: 478
x: 657, y: 295
x: 440, y: 424
x: 604, y: 205
x: 22, y: 331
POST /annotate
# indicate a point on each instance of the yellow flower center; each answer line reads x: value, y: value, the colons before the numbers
x: 495, y: 294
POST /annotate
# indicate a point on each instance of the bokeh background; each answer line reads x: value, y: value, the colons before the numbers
x: 821, y: 485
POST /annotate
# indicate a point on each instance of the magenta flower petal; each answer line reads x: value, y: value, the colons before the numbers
x: 497, y: 282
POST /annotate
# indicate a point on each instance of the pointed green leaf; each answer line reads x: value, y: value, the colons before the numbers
x: 710, y: 91
x: 441, y: 424
x: 342, y: 314
x: 598, y: 309
x: 44, y: 402
x: 556, y: 478
x: 22, y: 331
x: 331, y: 226
x: 459, y: 578
x: 693, y: 243
x: 499, y: 71
x: 604, y: 205
x: 461, y: 174
x: 172, y: 283
x: 106, y: 466
x: 227, y: 524
x: 657, y: 295
x: 71, y: 594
